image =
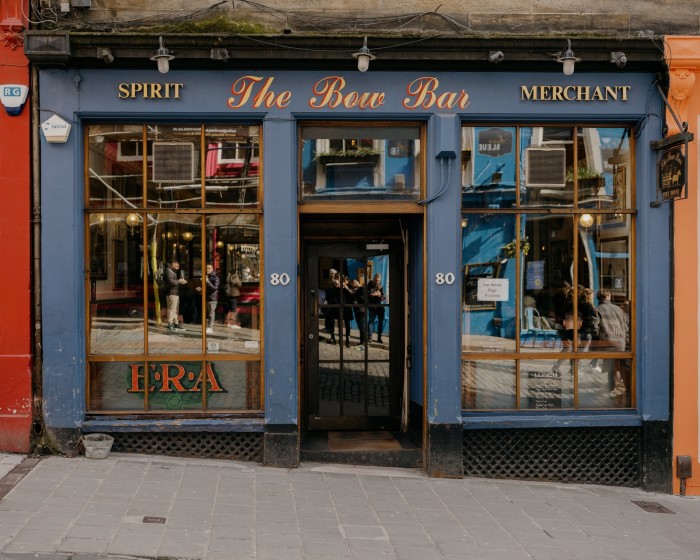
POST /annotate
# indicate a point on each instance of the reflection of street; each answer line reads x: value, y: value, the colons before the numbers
x: 490, y: 384
x: 126, y: 337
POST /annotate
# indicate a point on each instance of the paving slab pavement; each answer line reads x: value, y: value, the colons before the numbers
x: 142, y: 506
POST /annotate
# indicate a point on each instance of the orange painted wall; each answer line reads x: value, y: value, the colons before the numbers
x: 15, y: 295
x: 683, y: 55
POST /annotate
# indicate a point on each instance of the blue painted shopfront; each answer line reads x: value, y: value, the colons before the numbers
x: 279, y: 101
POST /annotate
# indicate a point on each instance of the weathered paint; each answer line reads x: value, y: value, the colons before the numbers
x: 15, y: 301
x: 683, y: 54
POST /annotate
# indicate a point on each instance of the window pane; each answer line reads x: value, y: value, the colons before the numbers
x: 174, y: 170
x: 116, y: 283
x: 233, y: 307
x: 547, y: 250
x: 360, y: 162
x: 489, y: 164
x: 488, y: 290
x: 547, y: 166
x: 115, y: 166
x: 604, y: 173
x: 547, y: 384
x: 237, y: 386
x: 488, y: 384
x: 604, y: 272
x: 175, y: 317
x: 177, y: 385
x: 604, y: 383
x: 232, y: 166
x: 116, y: 386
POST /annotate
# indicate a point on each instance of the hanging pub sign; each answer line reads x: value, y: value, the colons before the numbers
x: 671, y: 178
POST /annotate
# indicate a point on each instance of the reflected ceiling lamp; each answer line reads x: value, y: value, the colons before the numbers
x: 163, y: 58
x: 187, y: 236
x: 363, y: 57
x: 133, y: 220
x: 586, y: 220
x: 567, y: 58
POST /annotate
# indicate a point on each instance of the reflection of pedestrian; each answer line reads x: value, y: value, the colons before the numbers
x: 212, y: 284
x: 358, y: 300
x: 590, y: 326
x: 347, y: 301
x: 332, y: 298
x: 567, y: 338
x: 233, y: 290
x: 172, y: 294
x: 614, y: 328
x: 375, y: 296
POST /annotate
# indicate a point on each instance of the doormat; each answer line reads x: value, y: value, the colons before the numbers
x: 362, y: 441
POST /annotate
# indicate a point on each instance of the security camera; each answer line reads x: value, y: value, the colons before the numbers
x: 496, y: 56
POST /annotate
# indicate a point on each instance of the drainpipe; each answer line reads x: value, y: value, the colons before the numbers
x: 38, y: 411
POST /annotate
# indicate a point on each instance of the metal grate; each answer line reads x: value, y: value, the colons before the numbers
x: 240, y: 446
x: 588, y: 455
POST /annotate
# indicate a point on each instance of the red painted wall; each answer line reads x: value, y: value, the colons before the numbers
x: 15, y: 235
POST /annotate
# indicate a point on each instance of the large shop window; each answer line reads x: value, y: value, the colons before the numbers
x: 548, y: 226
x: 173, y: 284
x: 360, y: 162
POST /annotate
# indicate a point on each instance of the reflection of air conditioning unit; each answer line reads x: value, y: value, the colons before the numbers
x: 545, y: 167
x: 173, y: 162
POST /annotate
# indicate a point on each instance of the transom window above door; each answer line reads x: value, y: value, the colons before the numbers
x: 360, y: 162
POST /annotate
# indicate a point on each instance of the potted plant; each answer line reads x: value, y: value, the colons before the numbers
x: 360, y: 155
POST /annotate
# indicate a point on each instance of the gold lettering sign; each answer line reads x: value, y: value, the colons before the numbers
x: 574, y: 93
x: 148, y: 90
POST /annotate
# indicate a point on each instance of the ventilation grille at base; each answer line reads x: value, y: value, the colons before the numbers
x: 239, y: 446
x: 607, y: 456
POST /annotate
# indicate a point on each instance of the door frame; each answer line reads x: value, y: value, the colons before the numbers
x: 358, y: 232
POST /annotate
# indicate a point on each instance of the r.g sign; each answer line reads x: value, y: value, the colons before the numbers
x: 13, y: 97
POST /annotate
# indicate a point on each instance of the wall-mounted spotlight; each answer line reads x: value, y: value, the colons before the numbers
x: 219, y: 54
x: 363, y: 57
x: 163, y: 58
x: 496, y: 56
x: 567, y: 58
x: 105, y: 54
x: 618, y: 58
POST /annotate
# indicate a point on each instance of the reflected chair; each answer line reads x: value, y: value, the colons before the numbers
x: 533, y: 333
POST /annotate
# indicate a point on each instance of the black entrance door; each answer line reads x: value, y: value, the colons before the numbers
x: 353, y: 335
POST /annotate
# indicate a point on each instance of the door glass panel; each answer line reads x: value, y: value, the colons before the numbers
x: 351, y: 341
x: 116, y: 283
